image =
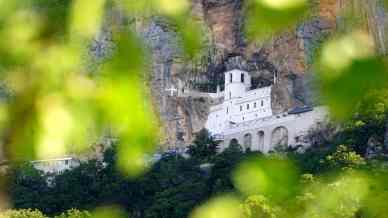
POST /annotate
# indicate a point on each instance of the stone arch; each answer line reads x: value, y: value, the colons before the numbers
x: 247, y: 141
x: 260, y: 135
x: 233, y: 142
x: 279, y: 136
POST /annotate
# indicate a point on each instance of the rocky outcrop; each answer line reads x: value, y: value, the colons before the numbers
x: 225, y: 20
x: 284, y: 61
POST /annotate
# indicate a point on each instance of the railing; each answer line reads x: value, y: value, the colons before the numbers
x: 253, y: 122
x: 197, y: 94
x: 218, y: 137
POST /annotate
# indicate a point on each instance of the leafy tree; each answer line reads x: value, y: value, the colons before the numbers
x: 312, y: 159
x: 174, y: 180
x: 78, y: 188
x: 26, y: 187
x: 204, y: 146
x: 223, y: 164
x: 369, y: 120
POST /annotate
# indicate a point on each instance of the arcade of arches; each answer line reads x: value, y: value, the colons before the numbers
x: 257, y: 141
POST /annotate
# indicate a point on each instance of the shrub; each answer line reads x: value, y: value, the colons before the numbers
x: 22, y: 213
x: 74, y: 213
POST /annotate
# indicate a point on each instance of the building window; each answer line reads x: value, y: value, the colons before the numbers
x: 242, y: 77
x: 231, y: 78
x: 247, y: 106
x: 227, y: 110
x: 240, y: 107
x: 262, y: 103
x: 230, y: 95
x: 66, y: 162
x: 254, y: 105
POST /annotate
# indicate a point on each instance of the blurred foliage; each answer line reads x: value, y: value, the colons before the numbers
x: 349, y: 70
x: 266, y: 17
x: 178, y: 15
x: 111, y: 212
x: 258, y: 206
x: 223, y: 206
x: 274, y: 177
x: 56, y: 107
x: 340, y: 197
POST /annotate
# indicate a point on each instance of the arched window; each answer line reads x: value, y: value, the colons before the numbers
x: 241, y: 107
x: 254, y: 105
x: 242, y: 77
x: 247, y: 106
x: 262, y: 103
x: 247, y: 141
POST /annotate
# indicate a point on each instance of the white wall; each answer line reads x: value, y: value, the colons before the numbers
x: 296, y: 124
x: 255, y: 104
x: 216, y: 120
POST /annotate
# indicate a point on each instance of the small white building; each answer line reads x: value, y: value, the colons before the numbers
x: 245, y: 116
x: 55, y: 166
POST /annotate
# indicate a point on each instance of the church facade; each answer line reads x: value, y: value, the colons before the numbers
x: 245, y: 116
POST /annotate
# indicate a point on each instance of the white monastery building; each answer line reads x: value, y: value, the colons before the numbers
x: 245, y: 116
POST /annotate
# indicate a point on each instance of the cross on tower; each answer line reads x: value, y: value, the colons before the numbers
x: 172, y: 90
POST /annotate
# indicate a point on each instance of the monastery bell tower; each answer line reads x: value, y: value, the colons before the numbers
x: 237, y: 82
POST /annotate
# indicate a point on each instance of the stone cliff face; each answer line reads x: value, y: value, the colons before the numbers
x: 284, y: 61
x: 225, y: 21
